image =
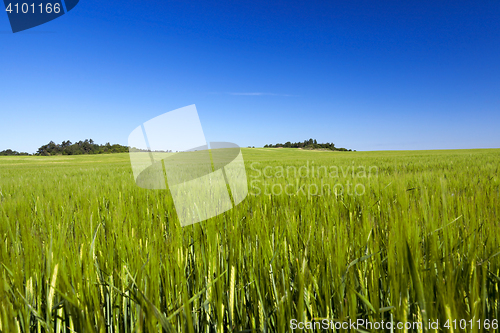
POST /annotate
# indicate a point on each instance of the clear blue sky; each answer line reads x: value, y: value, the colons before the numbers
x: 366, y: 75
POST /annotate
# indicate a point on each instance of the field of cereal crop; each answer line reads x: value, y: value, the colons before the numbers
x: 323, y: 237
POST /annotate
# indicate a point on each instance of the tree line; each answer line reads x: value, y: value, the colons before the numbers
x: 10, y: 152
x: 307, y: 144
x: 87, y: 146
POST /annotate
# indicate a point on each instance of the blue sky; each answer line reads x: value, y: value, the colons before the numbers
x: 366, y: 75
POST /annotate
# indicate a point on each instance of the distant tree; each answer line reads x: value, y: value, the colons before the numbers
x: 8, y: 152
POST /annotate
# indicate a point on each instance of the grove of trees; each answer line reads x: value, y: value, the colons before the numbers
x: 10, y: 152
x: 68, y: 148
x: 307, y: 144
x: 79, y: 148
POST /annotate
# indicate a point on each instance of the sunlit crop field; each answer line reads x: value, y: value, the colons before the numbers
x: 323, y: 237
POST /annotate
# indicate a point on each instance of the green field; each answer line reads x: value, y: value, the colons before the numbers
x: 401, y: 236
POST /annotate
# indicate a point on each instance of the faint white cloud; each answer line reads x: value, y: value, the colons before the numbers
x: 256, y: 94
x: 250, y: 94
